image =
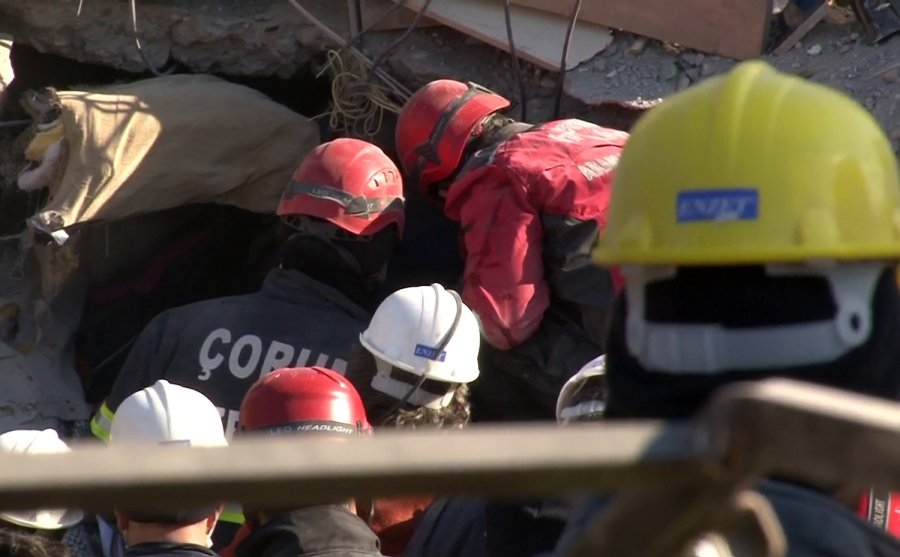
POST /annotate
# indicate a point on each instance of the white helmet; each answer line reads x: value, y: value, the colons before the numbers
x: 428, y: 332
x: 168, y: 414
x: 31, y: 441
x: 566, y: 408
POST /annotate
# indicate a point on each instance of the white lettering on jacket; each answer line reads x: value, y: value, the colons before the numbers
x: 248, y: 356
x: 597, y: 168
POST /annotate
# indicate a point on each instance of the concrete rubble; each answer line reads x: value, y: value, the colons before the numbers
x: 257, y: 37
x: 270, y: 38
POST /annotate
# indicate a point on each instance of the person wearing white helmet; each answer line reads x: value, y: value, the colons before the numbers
x: 417, y: 357
x: 168, y: 414
x: 29, y: 441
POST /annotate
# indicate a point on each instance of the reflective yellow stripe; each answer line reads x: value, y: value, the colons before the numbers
x: 102, y: 422
x: 234, y: 516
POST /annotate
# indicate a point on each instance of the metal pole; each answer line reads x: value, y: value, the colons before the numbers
x: 284, y: 471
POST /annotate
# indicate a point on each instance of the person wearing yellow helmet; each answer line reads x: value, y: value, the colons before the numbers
x: 756, y: 220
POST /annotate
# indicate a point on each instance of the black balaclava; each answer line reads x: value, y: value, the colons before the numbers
x: 744, y: 296
x: 357, y: 272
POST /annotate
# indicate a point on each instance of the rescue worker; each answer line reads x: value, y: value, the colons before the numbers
x: 168, y: 414
x: 341, y: 216
x: 311, y: 401
x: 755, y: 217
x: 531, y: 201
x: 416, y: 360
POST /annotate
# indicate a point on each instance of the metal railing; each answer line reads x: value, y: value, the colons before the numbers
x: 700, y: 469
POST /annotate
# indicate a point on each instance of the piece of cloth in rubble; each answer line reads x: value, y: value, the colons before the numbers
x: 814, y: 524
x: 636, y: 392
x: 168, y: 141
x: 394, y: 521
x: 161, y: 549
x: 322, y: 531
x: 450, y: 527
x: 530, y: 209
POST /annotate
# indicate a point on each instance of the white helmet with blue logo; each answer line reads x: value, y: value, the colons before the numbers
x: 428, y: 333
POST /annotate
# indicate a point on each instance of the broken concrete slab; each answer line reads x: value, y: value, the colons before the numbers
x: 252, y: 38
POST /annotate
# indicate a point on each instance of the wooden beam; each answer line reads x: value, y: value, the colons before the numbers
x: 286, y: 471
x: 734, y: 28
x: 778, y: 427
x: 538, y: 36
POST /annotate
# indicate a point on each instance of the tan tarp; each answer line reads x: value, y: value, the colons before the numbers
x: 133, y: 148
x: 169, y: 141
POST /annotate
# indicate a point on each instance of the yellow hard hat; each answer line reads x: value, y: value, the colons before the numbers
x: 754, y: 167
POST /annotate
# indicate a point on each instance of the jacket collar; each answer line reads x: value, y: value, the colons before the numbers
x: 293, y: 285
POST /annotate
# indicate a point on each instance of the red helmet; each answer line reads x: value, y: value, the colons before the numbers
x: 349, y: 183
x: 435, y: 124
x: 302, y: 400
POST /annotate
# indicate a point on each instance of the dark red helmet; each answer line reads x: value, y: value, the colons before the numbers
x: 303, y: 400
x: 349, y: 183
x: 435, y: 125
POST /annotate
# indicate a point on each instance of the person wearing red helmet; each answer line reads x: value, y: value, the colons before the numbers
x: 305, y: 401
x: 531, y: 201
x: 341, y: 216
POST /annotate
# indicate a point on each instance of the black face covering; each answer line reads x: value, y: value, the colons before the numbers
x: 355, y: 267
x: 635, y: 392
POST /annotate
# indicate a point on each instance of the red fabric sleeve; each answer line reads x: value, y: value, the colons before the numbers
x: 503, y: 281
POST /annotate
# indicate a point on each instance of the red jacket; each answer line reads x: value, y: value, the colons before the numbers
x: 517, y: 204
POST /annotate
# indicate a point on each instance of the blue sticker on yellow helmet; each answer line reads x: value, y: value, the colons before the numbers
x: 719, y: 205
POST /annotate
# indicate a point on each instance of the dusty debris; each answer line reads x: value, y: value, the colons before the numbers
x: 814, y: 50
x: 637, y: 47
x: 239, y: 40
x: 888, y: 73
